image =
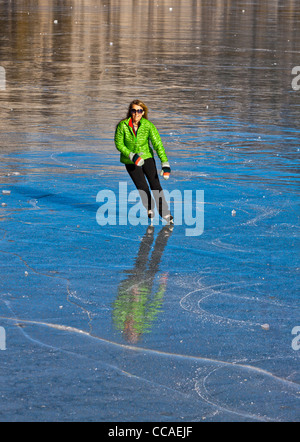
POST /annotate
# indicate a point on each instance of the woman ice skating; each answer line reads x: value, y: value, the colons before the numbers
x: 132, y: 138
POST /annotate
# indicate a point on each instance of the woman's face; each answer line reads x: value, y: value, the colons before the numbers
x: 137, y: 113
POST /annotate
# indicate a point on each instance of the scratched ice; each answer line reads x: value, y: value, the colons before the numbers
x: 146, y: 324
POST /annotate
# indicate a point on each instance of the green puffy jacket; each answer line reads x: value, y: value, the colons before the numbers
x: 126, y: 141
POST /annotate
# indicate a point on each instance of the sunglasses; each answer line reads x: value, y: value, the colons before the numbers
x: 137, y: 111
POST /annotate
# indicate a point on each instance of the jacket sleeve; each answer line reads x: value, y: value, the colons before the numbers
x: 119, y: 140
x: 157, y: 144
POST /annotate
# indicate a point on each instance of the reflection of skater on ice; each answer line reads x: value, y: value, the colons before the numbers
x: 136, y: 308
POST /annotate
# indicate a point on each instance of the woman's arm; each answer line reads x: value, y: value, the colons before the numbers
x: 119, y: 140
x: 157, y: 144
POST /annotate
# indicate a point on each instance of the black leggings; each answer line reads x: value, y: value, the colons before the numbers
x: 139, y: 175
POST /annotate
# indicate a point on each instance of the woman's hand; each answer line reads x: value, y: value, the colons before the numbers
x: 166, y: 170
x: 136, y: 159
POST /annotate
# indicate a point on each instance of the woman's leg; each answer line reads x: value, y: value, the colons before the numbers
x: 151, y: 173
x: 138, y: 177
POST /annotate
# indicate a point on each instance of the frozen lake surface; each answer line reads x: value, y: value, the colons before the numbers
x: 131, y: 323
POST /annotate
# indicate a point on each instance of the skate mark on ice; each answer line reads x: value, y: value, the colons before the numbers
x: 232, y: 383
x: 222, y: 245
x: 20, y: 325
x: 70, y: 294
x: 192, y: 302
x: 133, y: 348
x: 207, y: 368
x: 266, y: 213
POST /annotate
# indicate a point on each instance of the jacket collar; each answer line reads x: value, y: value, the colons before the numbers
x: 128, y: 121
x: 130, y: 126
